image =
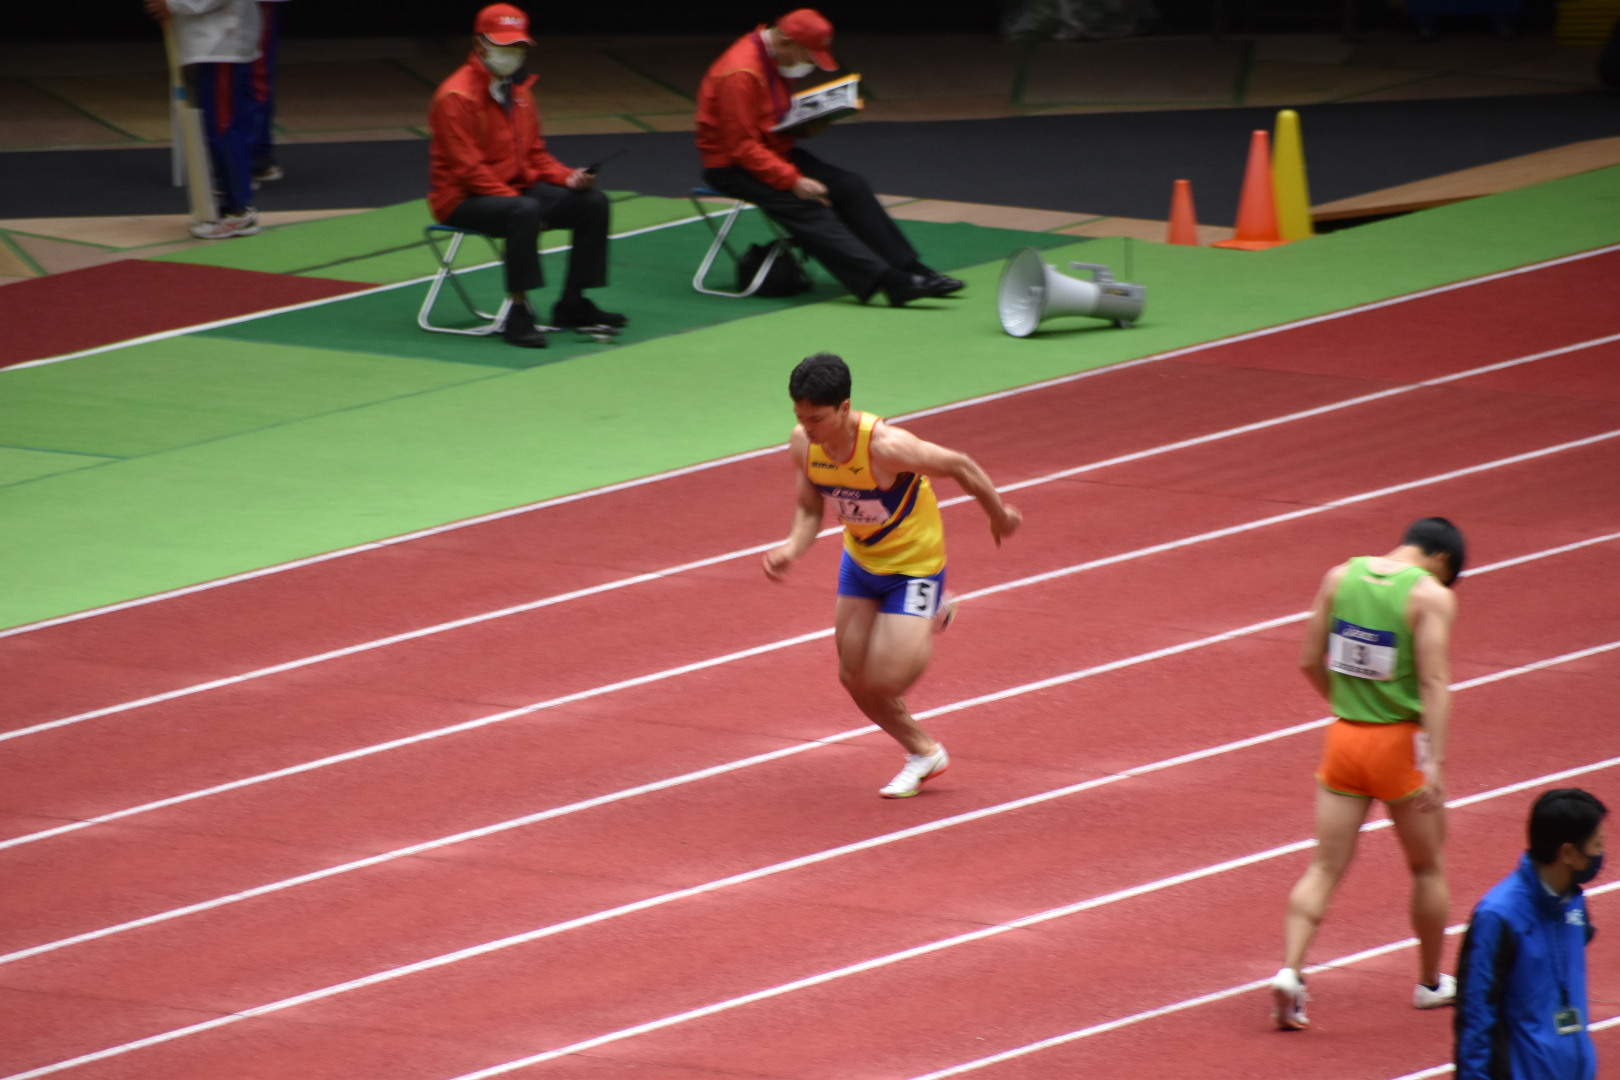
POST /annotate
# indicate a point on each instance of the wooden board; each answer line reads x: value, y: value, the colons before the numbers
x: 1492, y: 179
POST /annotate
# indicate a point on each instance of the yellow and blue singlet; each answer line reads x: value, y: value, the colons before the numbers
x: 894, y: 530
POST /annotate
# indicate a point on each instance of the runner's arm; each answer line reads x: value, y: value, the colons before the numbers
x: 807, y: 514
x: 1433, y: 608
x: 1313, y: 654
x: 897, y: 450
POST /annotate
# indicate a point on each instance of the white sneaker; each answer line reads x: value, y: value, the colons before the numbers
x: 919, y: 767
x: 1445, y: 994
x: 1288, y: 998
x: 244, y: 224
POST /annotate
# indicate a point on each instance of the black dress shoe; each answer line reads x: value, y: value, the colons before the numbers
x: 521, y: 330
x: 947, y: 283
x: 918, y: 287
x: 580, y: 311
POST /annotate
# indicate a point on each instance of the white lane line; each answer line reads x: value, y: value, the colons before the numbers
x: 718, y: 462
x: 994, y: 931
x: 777, y: 991
x: 1442, y: 1070
x: 1221, y: 995
x: 830, y: 853
x: 816, y: 635
x: 182, y: 331
x: 657, y: 575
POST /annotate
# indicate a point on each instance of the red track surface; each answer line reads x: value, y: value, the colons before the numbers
x: 134, y: 297
x: 905, y: 1018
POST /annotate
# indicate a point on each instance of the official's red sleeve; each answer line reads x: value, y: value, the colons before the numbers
x: 541, y: 165
x: 743, y: 116
x: 454, y: 121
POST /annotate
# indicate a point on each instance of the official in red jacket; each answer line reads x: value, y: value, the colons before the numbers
x: 492, y: 173
x: 831, y: 212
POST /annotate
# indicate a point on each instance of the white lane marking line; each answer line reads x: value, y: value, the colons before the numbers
x: 830, y: 853
x: 993, y: 931
x: 1206, y: 999
x: 1442, y: 1070
x: 776, y: 991
x: 816, y: 635
x: 718, y: 462
x: 164, y: 335
x: 655, y: 575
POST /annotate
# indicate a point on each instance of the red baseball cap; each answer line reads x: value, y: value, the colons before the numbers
x: 503, y: 24
x: 811, y: 29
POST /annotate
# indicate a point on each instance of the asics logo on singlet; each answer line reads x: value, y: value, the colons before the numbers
x: 1575, y: 917
x: 1360, y: 634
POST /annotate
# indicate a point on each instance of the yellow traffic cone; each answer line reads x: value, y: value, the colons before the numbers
x: 1288, y: 179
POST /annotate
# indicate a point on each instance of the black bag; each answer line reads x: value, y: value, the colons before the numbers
x: 786, y: 277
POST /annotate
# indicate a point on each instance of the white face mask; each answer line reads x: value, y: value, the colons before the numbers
x: 795, y: 71
x: 502, y: 60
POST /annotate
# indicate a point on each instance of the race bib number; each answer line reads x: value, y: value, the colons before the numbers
x: 1362, y: 653
x: 861, y: 511
x: 922, y: 597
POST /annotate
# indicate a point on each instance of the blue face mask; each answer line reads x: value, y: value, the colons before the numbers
x: 1593, y: 869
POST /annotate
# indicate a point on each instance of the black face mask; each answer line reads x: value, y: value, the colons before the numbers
x: 1593, y: 869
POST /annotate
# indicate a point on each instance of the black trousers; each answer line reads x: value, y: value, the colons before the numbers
x: 855, y: 238
x: 519, y: 220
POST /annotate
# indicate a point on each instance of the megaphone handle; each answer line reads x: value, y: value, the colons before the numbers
x: 1099, y: 273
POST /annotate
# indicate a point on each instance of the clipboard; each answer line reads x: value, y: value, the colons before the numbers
x: 827, y: 102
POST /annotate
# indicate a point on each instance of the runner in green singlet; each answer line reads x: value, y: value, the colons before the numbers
x: 1377, y: 647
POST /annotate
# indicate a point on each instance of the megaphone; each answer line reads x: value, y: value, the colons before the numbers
x: 1032, y: 292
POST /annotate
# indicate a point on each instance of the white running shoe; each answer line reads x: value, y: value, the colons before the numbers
x: 1439, y: 998
x: 1288, y: 998
x: 919, y: 767
x: 244, y: 224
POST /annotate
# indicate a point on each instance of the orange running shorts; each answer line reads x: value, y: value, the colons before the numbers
x: 1373, y: 761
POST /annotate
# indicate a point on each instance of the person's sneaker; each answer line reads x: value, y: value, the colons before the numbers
x: 1288, y: 999
x: 582, y: 312
x: 268, y: 171
x: 244, y: 224
x: 520, y: 328
x: 1438, y: 998
x: 919, y: 767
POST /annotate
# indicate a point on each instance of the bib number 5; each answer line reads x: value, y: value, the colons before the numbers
x: 922, y: 597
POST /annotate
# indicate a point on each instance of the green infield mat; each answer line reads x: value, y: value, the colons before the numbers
x: 651, y: 281
x: 279, y: 438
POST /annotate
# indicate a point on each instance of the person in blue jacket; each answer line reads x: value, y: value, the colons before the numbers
x: 1521, y: 979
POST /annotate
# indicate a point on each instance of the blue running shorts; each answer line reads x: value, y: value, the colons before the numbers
x: 896, y: 594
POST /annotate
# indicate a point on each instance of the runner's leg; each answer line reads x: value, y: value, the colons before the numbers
x: 879, y: 657
x: 1423, y: 837
x: 1338, y: 824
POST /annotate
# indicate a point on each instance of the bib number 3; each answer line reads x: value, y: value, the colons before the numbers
x: 922, y: 597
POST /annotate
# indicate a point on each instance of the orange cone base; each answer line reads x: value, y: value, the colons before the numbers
x: 1250, y: 245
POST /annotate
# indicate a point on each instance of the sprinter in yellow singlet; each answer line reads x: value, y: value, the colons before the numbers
x: 891, y: 587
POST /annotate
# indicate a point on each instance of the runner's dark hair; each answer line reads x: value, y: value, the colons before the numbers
x: 1437, y: 536
x: 822, y: 379
x: 1563, y: 816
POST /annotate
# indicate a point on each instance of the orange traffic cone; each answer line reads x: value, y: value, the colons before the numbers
x: 1257, y: 206
x: 1183, y: 217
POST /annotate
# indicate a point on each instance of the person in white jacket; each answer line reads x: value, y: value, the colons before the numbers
x: 218, y: 42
